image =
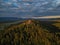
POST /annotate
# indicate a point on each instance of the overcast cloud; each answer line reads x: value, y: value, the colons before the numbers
x: 20, y: 8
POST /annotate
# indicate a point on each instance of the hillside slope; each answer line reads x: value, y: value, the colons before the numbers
x: 31, y: 32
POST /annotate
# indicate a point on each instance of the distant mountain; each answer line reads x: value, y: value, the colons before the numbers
x: 31, y: 32
x: 3, y: 19
x: 9, y: 19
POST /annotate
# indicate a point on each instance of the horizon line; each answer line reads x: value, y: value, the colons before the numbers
x: 43, y: 17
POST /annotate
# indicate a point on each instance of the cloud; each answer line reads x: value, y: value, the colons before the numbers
x: 57, y: 1
x: 46, y: 17
x: 14, y: 0
x: 45, y: 3
x: 27, y: 7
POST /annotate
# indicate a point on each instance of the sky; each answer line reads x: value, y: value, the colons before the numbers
x: 29, y: 8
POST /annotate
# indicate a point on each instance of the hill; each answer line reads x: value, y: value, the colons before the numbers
x: 31, y: 32
x: 8, y: 19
